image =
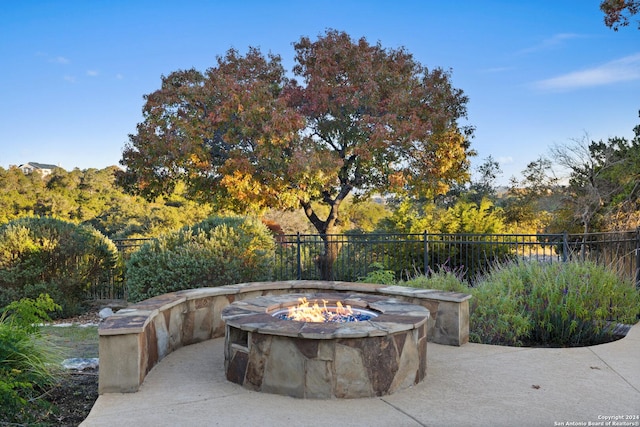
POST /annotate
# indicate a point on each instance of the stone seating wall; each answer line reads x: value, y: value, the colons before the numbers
x: 135, y: 339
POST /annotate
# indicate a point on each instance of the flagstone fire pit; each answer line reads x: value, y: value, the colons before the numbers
x: 379, y: 348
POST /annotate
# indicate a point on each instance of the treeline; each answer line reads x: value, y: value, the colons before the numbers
x: 91, y: 197
x: 582, y: 186
x: 597, y: 190
x: 601, y: 192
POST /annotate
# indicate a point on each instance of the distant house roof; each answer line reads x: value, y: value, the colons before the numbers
x: 43, y: 168
x: 40, y: 165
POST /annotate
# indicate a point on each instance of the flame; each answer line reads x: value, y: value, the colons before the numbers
x: 305, y: 312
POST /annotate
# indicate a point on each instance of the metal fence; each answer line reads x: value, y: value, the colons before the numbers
x: 127, y: 246
x: 469, y: 255
x: 112, y: 285
x: 408, y: 255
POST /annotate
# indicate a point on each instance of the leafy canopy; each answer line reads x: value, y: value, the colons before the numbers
x: 604, y: 182
x: 618, y: 13
x: 247, y: 137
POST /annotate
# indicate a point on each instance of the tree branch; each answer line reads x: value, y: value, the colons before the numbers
x: 313, y: 218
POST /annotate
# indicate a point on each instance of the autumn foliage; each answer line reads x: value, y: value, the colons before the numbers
x: 246, y: 136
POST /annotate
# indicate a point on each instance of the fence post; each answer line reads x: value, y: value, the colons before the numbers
x: 638, y: 258
x: 565, y: 246
x: 426, y: 253
x: 298, y: 259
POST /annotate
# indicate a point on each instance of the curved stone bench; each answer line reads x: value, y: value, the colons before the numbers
x: 135, y: 339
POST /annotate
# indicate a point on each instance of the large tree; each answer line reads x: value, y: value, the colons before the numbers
x: 363, y: 119
x: 604, y: 181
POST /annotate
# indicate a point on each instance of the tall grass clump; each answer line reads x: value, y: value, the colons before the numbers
x: 561, y: 304
x: 217, y: 251
x: 28, y: 363
x: 443, y: 279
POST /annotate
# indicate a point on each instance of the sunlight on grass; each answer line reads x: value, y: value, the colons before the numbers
x: 78, y: 341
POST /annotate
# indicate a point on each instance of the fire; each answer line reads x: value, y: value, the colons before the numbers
x: 305, y: 312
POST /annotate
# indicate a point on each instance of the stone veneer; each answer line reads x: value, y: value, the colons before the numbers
x: 135, y: 339
x: 367, y: 358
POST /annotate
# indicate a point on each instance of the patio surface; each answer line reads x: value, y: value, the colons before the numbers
x: 472, y: 385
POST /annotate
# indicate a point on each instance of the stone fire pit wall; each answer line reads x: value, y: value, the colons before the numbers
x: 135, y: 339
x: 319, y: 360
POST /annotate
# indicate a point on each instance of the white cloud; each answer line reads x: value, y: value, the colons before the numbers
x: 503, y: 160
x: 620, y: 70
x: 497, y: 69
x: 59, y: 60
x: 53, y: 59
x: 119, y: 76
x: 70, y: 79
x: 92, y: 73
x: 552, y: 42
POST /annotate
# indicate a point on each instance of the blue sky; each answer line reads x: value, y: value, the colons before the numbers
x: 537, y: 72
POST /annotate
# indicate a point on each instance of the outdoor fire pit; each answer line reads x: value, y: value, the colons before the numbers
x: 325, y: 345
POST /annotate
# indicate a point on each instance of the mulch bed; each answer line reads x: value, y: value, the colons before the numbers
x: 73, y: 397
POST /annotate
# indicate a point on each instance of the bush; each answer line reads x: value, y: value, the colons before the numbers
x: 28, y: 363
x: 443, y: 280
x: 560, y: 304
x: 377, y: 274
x: 217, y: 251
x: 498, y: 309
x: 47, y: 255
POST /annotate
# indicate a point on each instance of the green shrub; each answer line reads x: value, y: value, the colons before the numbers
x: 498, y: 309
x: 443, y: 280
x: 28, y: 363
x: 215, y: 252
x: 560, y: 304
x: 379, y: 275
x: 47, y: 255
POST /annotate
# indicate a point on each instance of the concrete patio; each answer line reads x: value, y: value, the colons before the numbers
x: 471, y: 385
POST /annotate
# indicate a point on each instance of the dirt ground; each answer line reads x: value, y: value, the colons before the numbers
x: 73, y: 398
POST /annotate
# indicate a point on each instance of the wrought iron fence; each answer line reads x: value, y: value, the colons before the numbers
x: 619, y: 251
x: 113, y: 285
x: 127, y: 246
x: 469, y: 255
x: 407, y: 255
x: 110, y: 287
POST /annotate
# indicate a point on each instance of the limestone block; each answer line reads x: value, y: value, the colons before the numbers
x: 284, y: 369
x: 408, y: 365
x: 351, y: 375
x: 237, y: 367
x: 217, y: 326
x: 203, y: 322
x: 326, y: 350
x: 149, y: 350
x: 119, y: 363
x: 162, y: 336
x: 452, y: 324
x: 174, y: 319
x: 318, y: 379
x: 249, y: 294
x: 260, y: 346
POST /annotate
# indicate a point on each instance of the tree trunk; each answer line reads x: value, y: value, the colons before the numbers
x: 328, y: 230
x: 325, y: 262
